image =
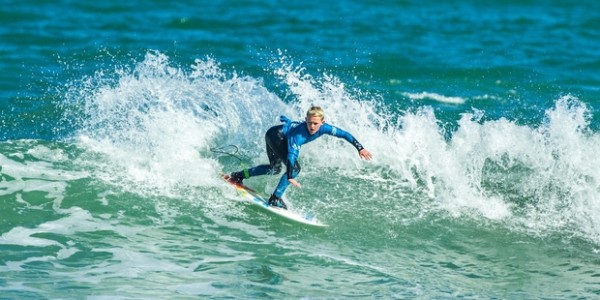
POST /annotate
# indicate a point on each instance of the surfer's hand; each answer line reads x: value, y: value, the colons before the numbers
x: 365, y: 154
x: 294, y: 182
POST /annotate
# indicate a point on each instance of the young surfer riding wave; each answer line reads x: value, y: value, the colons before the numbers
x: 283, y: 145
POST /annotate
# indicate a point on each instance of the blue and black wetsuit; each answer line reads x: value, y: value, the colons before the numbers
x: 283, y: 146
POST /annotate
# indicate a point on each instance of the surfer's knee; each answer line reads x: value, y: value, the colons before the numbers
x: 276, y: 169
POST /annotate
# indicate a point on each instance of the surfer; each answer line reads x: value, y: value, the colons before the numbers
x: 283, y: 145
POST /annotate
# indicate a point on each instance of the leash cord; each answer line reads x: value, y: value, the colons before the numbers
x: 231, y: 150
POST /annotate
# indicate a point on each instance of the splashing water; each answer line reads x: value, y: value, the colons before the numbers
x: 150, y: 124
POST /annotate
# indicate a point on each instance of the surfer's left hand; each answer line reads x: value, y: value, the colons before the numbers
x: 294, y: 182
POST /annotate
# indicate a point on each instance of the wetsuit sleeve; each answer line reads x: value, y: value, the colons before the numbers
x: 340, y: 133
x: 284, y: 119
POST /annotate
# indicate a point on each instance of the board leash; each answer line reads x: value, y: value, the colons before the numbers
x: 232, y: 150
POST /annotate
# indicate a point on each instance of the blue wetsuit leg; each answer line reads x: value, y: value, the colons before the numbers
x: 284, y: 181
x: 280, y: 147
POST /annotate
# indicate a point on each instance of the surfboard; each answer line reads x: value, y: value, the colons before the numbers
x: 251, y: 196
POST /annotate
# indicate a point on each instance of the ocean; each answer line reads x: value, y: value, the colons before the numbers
x: 482, y: 118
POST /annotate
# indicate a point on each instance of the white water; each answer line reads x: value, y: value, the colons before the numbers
x: 154, y: 126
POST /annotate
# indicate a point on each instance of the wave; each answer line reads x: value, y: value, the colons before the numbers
x: 149, y: 130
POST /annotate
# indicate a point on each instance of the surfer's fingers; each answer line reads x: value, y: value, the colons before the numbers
x: 365, y: 154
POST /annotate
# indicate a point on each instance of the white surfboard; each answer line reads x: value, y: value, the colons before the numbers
x: 255, y: 198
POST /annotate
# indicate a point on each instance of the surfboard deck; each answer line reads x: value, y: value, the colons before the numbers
x: 250, y: 195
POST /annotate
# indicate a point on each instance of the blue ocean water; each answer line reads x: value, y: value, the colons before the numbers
x: 482, y: 118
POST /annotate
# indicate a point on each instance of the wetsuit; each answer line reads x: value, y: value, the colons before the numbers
x: 283, y: 146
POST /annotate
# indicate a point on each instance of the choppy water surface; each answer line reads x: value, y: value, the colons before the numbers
x: 482, y: 119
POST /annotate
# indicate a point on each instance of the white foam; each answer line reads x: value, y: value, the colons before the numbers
x: 153, y: 127
x: 37, y: 169
x: 434, y: 97
x: 467, y: 173
x: 552, y: 166
x: 44, y: 153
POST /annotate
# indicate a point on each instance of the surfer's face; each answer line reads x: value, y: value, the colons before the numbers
x: 313, y: 124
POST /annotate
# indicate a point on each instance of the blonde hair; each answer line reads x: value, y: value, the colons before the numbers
x: 316, y: 111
